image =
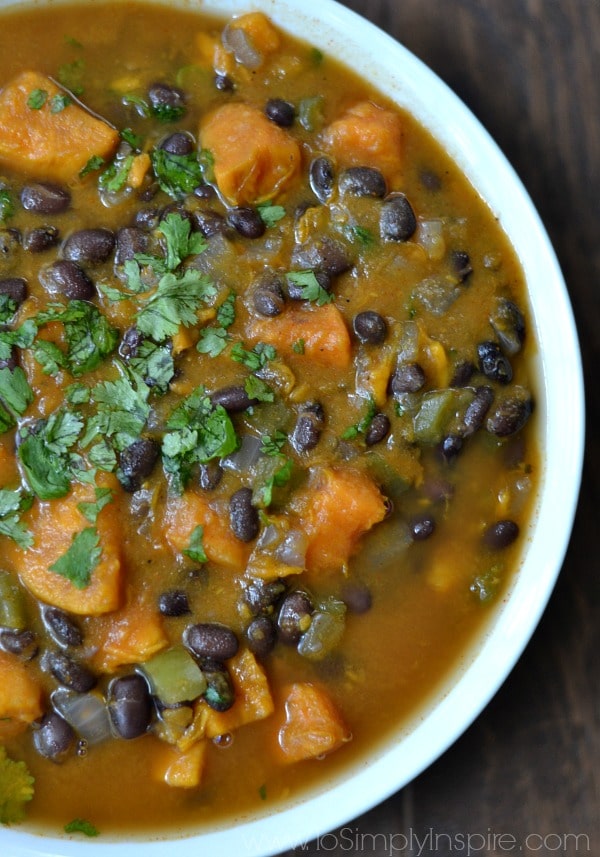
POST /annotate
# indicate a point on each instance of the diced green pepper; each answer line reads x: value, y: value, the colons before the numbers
x: 174, y: 676
x: 12, y: 603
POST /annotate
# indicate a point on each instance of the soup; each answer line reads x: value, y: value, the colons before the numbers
x: 267, y: 453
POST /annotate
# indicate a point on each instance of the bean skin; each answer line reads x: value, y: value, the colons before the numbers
x: 378, y: 430
x: 15, y: 288
x: 243, y: 516
x: 261, y: 636
x: 461, y: 264
x: 268, y: 297
x: 130, y: 342
x: 63, y: 628
x: 510, y: 414
x: 501, y: 534
x: 247, y: 222
x: 223, y: 83
x: 280, y: 112
x: 178, y: 143
x: 173, y: 602
x: 294, y: 613
x: 136, y: 463
x: 40, y: 239
x: 70, y: 673
x: 363, y: 181
x: 422, y: 527
x: 322, y: 254
x: 234, y: 399
x: 322, y: 178
x: 163, y: 97
x: 493, y: 363
x: 91, y: 246
x: 509, y: 326
x: 210, y: 475
x: 24, y: 644
x: 68, y: 279
x: 308, y: 428
x: 130, y: 706
x: 463, y: 372
x: 129, y: 241
x: 357, y: 597
x: 450, y: 447
x: 54, y: 737
x: 219, y: 694
x: 397, y: 221
x: 211, y: 640
x: 477, y: 410
x: 262, y: 596
x: 370, y: 327
x: 45, y: 198
x: 407, y: 378
x: 210, y: 222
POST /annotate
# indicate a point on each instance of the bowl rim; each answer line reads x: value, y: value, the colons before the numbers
x: 400, y: 75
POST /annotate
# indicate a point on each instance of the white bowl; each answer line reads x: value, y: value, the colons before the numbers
x: 560, y: 402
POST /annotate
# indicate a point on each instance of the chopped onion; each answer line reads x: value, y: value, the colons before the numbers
x: 292, y: 550
x: 236, y: 41
x: 246, y: 456
x: 85, y: 712
x: 325, y: 632
x: 431, y: 237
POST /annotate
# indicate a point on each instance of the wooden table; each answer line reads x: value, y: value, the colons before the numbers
x: 528, y: 767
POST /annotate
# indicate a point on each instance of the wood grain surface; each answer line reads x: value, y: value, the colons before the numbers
x: 524, y: 778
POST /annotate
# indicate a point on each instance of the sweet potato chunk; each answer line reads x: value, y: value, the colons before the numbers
x: 321, y: 330
x: 337, y: 508
x: 44, y: 144
x: 253, y: 699
x: 254, y: 159
x: 54, y: 524
x: 130, y: 635
x: 367, y: 136
x: 313, y: 726
x: 189, y: 511
x: 20, y: 697
x: 179, y: 769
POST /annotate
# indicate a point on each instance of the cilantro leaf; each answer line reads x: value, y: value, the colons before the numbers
x: 22, y: 337
x: 16, y: 789
x: 258, y: 389
x: 114, y: 177
x: 255, y: 359
x: 11, y: 504
x: 278, y: 479
x: 94, y: 163
x: 80, y: 825
x: 103, y: 456
x: 272, y: 445
x: 310, y: 288
x: 226, y: 312
x: 15, y: 391
x: 181, y: 241
x: 7, y: 206
x: 70, y: 75
x: 44, y: 454
x: 177, y: 175
x: 91, y: 511
x: 121, y: 410
x: 89, y: 336
x: 37, y: 98
x: 58, y: 102
x: 270, y: 214
x: 361, y: 427
x: 154, y: 363
x: 50, y: 357
x: 81, y: 558
x: 195, y: 550
x: 175, y: 302
x: 212, y: 341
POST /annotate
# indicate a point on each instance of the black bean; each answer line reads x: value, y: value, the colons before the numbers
x: 173, y: 602
x: 308, y: 428
x: 24, y: 644
x: 40, y: 239
x: 130, y: 705
x: 224, y: 83
x: 463, y: 372
x: 209, y: 475
x: 450, y: 447
x: 370, y: 327
x: 90, y: 246
x: 147, y: 218
x: 261, y: 636
x: 501, y: 534
x: 246, y: 221
x: 54, y: 737
x: 397, y: 221
x: 243, y: 516
x: 70, y: 673
x: 10, y: 244
x: 15, y: 288
x: 421, y: 527
x: 280, y: 112
x: 211, y: 640
x: 234, y: 399
x: 210, y: 222
x: 205, y: 191
x: 262, y: 596
x: 357, y: 597
x: 461, y: 264
x: 64, y: 628
x: 509, y: 326
x: 129, y: 241
x: 378, y: 429
x: 477, y: 410
x: 219, y: 694
x: 45, y: 198
x: 178, y: 143
x: 294, y: 616
x: 493, y: 363
x: 130, y: 342
x: 165, y: 98
x: 136, y: 463
x: 322, y: 254
x: 322, y: 178
x: 268, y: 297
x: 510, y: 414
x: 68, y: 279
x: 407, y: 378
x: 363, y: 181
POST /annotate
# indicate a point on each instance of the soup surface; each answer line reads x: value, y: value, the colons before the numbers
x: 266, y: 455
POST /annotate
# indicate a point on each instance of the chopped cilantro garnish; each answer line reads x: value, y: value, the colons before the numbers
x: 73, y: 42
x: 362, y: 426
x: 15, y: 392
x: 255, y: 359
x: 298, y: 346
x: 114, y: 177
x: 70, y: 75
x: 361, y: 235
x: 121, y: 410
x: 154, y: 363
x: 58, y: 102
x: 81, y: 558
x: 134, y: 140
x: 37, y: 98
x: 258, y: 389
x: 77, y: 394
x: 80, y: 825
x: 270, y: 214
x: 174, y: 303
x: 177, y: 175
x: 310, y: 288
x: 212, y: 341
x: 142, y: 107
x: 195, y: 550
x: 7, y: 206
x: 103, y: 456
x: 45, y: 454
x: 22, y: 337
x: 94, y: 163
x: 226, y: 312
x: 91, y: 511
x: 262, y: 791
x: 16, y: 789
x: 273, y: 444
x: 278, y: 479
x: 12, y: 503
x: 168, y: 113
x: 180, y: 240
x: 90, y: 338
